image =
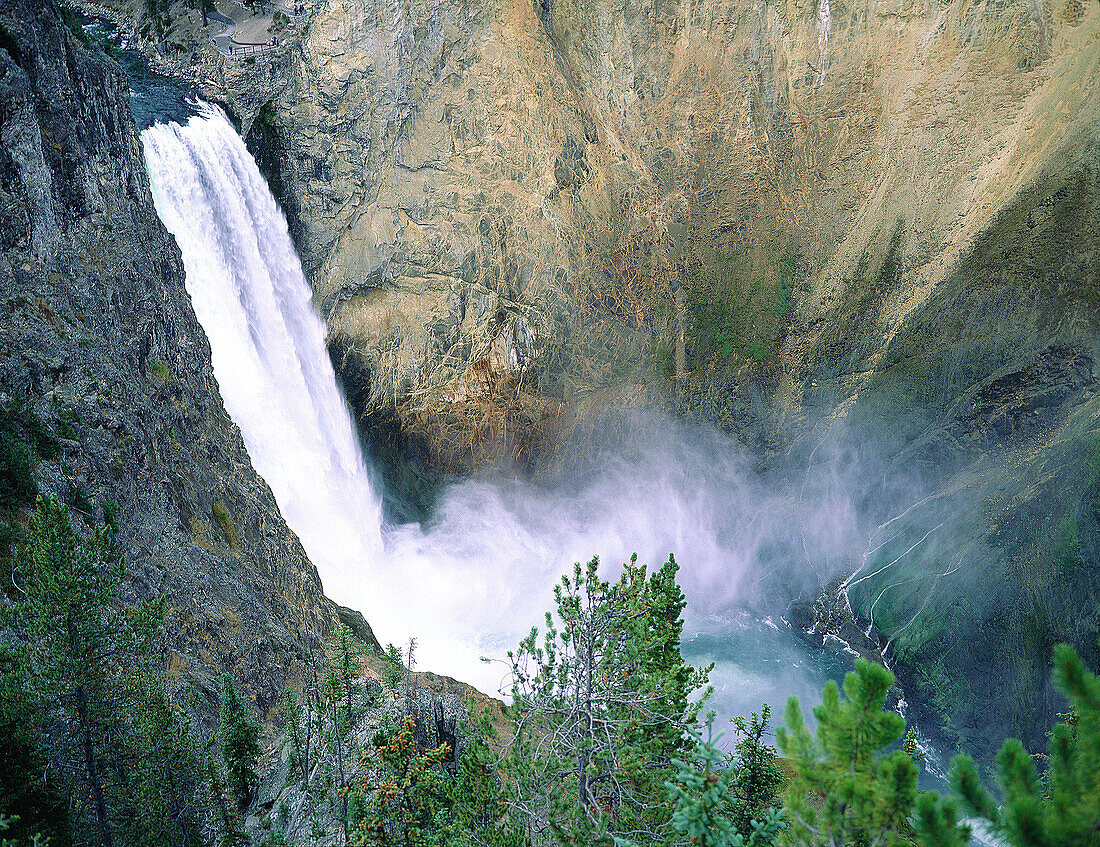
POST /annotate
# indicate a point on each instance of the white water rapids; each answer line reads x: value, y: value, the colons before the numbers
x: 476, y: 578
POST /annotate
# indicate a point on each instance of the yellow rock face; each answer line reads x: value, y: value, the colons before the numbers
x: 500, y: 193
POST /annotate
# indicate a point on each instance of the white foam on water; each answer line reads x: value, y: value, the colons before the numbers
x: 476, y: 578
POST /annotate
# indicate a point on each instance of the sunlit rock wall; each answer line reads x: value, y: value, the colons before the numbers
x: 881, y: 220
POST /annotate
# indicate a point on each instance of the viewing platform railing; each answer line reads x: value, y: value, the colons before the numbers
x: 238, y: 48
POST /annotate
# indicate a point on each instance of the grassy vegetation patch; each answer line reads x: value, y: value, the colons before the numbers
x: 19, y: 419
x: 221, y: 518
x: 265, y: 117
x: 734, y: 314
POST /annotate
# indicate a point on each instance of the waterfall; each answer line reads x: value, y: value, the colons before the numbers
x: 267, y: 343
x: 473, y: 580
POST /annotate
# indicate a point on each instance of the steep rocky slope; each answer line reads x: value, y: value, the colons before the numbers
x: 97, y: 335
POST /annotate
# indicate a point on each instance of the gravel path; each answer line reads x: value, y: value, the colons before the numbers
x: 246, y: 36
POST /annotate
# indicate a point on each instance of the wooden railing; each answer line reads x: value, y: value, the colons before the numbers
x: 248, y: 49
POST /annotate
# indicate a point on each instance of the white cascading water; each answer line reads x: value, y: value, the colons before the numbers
x: 267, y: 343
x: 476, y: 578
x: 824, y: 25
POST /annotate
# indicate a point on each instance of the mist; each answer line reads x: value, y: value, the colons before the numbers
x: 471, y: 581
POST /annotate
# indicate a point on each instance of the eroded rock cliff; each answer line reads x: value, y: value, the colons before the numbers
x: 98, y: 338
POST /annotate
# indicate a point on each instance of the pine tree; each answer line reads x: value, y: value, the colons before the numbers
x: 239, y: 734
x: 1063, y: 807
x: 600, y: 708
x: 299, y: 760
x: 74, y: 645
x: 393, y: 674
x: 225, y: 816
x: 341, y: 713
x: 708, y: 810
x: 10, y: 837
x: 757, y: 779
x: 323, y: 718
x: 865, y: 795
x: 165, y: 773
x: 32, y: 800
x: 87, y: 668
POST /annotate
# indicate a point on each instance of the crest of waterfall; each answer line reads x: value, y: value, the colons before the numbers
x: 267, y: 342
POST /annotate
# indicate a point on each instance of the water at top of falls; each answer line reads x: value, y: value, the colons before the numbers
x: 475, y: 579
x: 267, y: 342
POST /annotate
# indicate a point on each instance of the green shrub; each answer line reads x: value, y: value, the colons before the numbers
x: 757, y: 351
x: 221, y: 517
x: 18, y: 419
x: 65, y: 420
x: 665, y: 361
x: 17, y: 485
x: 161, y: 370
x: 707, y: 809
x: 110, y: 514
x: 9, y: 536
x: 406, y: 800
x: 70, y: 21
x: 159, y: 12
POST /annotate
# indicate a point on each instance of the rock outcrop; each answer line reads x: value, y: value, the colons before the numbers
x: 97, y: 335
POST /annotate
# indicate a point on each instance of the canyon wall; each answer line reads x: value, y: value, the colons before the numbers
x: 874, y: 221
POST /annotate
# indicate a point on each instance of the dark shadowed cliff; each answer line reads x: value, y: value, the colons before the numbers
x: 98, y: 338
